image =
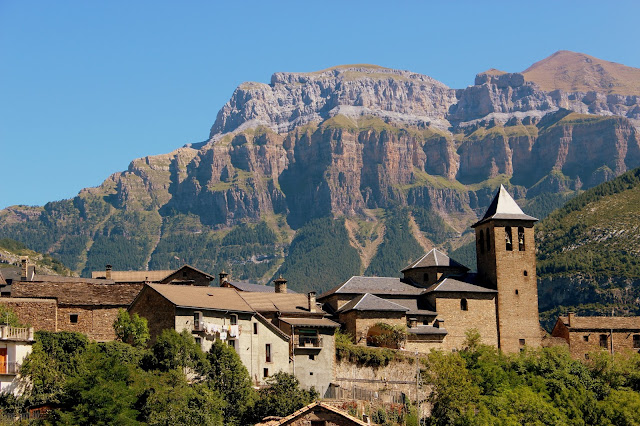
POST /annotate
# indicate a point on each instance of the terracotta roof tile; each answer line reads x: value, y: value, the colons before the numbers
x: 214, y: 298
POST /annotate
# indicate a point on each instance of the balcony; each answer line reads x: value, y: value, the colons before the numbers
x: 9, y: 367
x: 16, y: 333
x: 307, y: 342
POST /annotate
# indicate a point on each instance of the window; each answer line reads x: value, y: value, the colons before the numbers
x: 520, y: 238
x: 522, y: 342
x: 255, y: 328
x: 526, y: 274
x: 481, y: 242
x: 265, y: 372
x: 232, y: 343
x: 73, y: 318
x: 516, y: 291
x: 197, y: 318
x: 636, y: 341
x: 508, y: 239
x: 488, y: 241
x: 312, y: 357
x: 233, y: 320
x: 464, y: 305
x: 586, y: 356
x: 585, y: 337
x: 311, y: 373
x: 603, y: 340
x: 267, y: 351
x: 199, y: 341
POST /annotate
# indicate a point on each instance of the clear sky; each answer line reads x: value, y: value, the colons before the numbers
x: 87, y: 86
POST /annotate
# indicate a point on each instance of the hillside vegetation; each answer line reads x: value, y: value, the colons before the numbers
x: 11, y: 251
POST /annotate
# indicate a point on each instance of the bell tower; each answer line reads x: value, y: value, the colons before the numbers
x: 505, y: 250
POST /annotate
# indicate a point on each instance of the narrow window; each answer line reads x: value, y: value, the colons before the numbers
x: 603, y: 340
x: 585, y: 337
x: 526, y: 274
x: 255, y: 328
x: 520, y: 238
x: 636, y: 341
x: 516, y: 291
x: 73, y: 318
x: 481, y: 242
x: 312, y: 357
x: 233, y: 320
x: 464, y: 305
x: 508, y: 238
x: 199, y: 341
x: 197, y: 316
x: 267, y: 350
x: 488, y: 241
x: 265, y: 372
x: 586, y: 356
x: 232, y: 343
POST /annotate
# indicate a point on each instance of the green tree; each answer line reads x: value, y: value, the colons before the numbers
x: 131, y: 329
x: 282, y: 397
x: 174, y: 350
x: 230, y: 377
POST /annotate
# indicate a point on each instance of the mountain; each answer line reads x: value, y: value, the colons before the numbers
x: 577, y: 72
x: 589, y: 252
x: 364, y: 159
x: 12, y: 251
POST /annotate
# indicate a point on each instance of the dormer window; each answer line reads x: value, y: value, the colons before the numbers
x: 508, y: 238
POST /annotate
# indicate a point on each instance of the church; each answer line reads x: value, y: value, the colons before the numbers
x: 438, y: 300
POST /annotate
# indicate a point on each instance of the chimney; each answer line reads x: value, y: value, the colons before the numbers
x: 281, y: 285
x: 413, y: 322
x: 439, y: 323
x: 570, y: 318
x: 25, y: 266
x: 107, y: 272
x: 223, y: 278
x: 312, y: 301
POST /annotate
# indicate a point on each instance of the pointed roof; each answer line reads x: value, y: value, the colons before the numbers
x: 435, y: 258
x: 370, y: 302
x: 504, y: 207
x: 374, y: 285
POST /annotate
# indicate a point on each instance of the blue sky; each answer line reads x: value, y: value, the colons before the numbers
x: 87, y: 86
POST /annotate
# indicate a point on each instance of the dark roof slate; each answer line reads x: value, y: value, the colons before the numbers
x: 503, y: 206
x: 435, y: 258
x: 258, y: 288
x: 374, y: 285
x: 426, y: 329
x: 416, y: 307
x: 458, y: 284
x: 370, y: 302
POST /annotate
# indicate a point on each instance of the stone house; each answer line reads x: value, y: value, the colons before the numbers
x: 315, y: 414
x: 438, y: 300
x: 185, y: 275
x: 589, y: 334
x: 15, y: 345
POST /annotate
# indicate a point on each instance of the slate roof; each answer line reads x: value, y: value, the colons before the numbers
x: 78, y: 293
x: 602, y: 323
x: 62, y: 279
x: 426, y: 329
x: 258, y: 288
x: 14, y: 273
x: 278, y: 302
x: 435, y: 258
x: 457, y: 284
x: 214, y: 298
x: 370, y: 302
x: 374, y: 285
x: 416, y: 307
x: 503, y: 207
x: 310, y: 322
x: 134, y: 276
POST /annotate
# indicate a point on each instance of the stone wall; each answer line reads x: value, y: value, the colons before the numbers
x: 159, y: 312
x: 40, y: 314
x: 583, y: 342
x: 397, y: 376
x: 357, y: 323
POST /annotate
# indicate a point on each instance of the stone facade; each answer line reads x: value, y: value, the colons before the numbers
x: 585, y: 335
x: 358, y: 323
x: 159, y: 312
x: 41, y: 314
x: 510, y: 268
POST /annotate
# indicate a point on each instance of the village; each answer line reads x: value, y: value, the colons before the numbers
x: 273, y: 329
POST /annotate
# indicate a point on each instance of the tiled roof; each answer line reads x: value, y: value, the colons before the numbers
x: 277, y: 302
x: 602, y: 323
x: 374, y: 285
x: 78, y: 293
x: 258, y: 288
x: 214, y: 298
x: 503, y: 207
x: 310, y: 322
x: 370, y: 302
x: 62, y: 279
x: 435, y: 258
x: 134, y: 276
x: 426, y: 329
x: 459, y: 284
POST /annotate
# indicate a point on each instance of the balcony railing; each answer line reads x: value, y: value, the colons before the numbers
x: 11, y: 367
x: 307, y: 342
x: 15, y: 333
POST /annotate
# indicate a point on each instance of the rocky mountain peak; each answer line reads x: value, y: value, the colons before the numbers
x: 295, y: 99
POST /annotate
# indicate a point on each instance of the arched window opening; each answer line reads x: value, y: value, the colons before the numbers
x: 508, y: 238
x: 481, y: 242
x: 464, y: 306
x: 520, y: 238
